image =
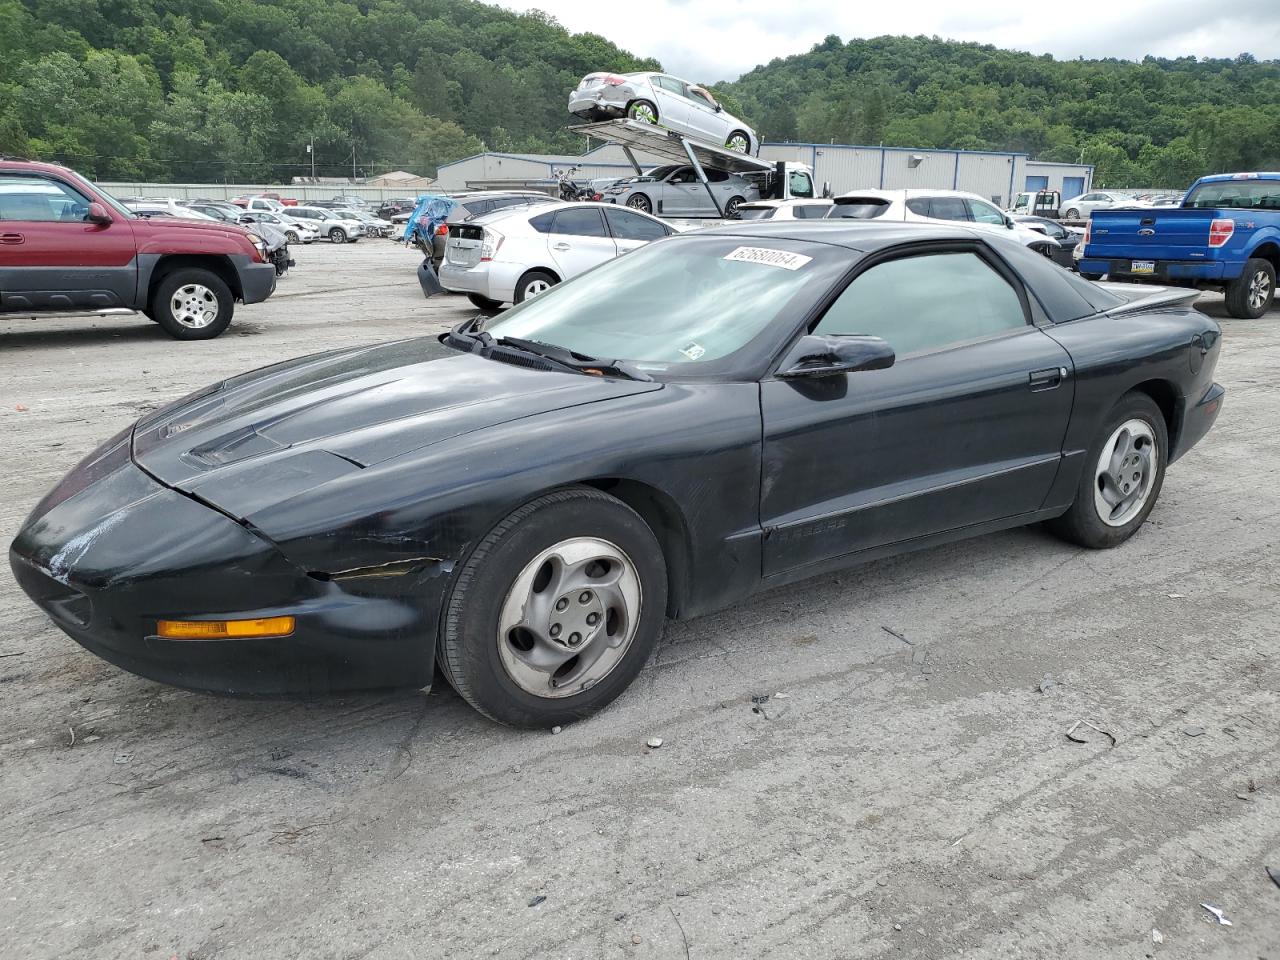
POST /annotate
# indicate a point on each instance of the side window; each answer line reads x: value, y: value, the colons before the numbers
x: 714, y: 176
x: 479, y: 207
x: 683, y: 175
x: 926, y: 302
x: 801, y: 184
x: 670, y: 84
x: 985, y: 213
x: 542, y: 222
x: 579, y: 222
x: 631, y: 226
x: 948, y: 208
x: 919, y: 206
x: 36, y: 199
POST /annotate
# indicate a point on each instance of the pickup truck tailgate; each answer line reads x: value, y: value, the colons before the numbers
x: 1174, y: 233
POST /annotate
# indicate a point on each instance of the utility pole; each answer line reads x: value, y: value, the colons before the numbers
x: 311, y: 149
x: 353, y: 162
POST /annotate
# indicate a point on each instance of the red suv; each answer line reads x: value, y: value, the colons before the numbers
x: 65, y: 245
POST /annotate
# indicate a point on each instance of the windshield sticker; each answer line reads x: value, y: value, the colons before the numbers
x: 772, y: 258
x: 694, y: 351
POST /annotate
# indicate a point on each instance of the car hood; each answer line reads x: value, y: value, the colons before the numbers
x: 275, y: 432
x: 144, y: 226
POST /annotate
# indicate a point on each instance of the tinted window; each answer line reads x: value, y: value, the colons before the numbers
x: 926, y: 302
x: 860, y: 208
x: 542, y: 222
x: 684, y: 175
x: 985, y: 213
x: 579, y: 222
x: 631, y: 226
x: 1237, y: 195
x: 948, y: 208
x: 38, y: 199
x: 715, y: 176
x: 810, y: 211
x: 754, y: 213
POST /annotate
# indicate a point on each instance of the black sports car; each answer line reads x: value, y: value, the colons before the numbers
x: 524, y: 500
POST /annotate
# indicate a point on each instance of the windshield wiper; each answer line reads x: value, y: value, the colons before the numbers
x: 466, y: 337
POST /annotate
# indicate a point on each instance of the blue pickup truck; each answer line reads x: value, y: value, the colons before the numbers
x: 1225, y: 236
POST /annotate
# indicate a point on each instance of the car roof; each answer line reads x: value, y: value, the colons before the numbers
x: 792, y: 201
x: 910, y: 193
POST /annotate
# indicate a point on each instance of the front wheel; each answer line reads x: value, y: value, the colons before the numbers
x: 1072, y: 214
x: 556, y: 611
x: 640, y: 202
x: 738, y: 142
x: 337, y: 235
x: 1249, y: 296
x: 1122, y: 476
x: 192, y: 304
x: 731, y: 208
x: 292, y: 237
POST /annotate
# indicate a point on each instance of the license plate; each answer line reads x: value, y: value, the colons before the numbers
x: 1142, y: 266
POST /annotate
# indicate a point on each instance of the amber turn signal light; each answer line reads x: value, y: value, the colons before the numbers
x: 224, y: 629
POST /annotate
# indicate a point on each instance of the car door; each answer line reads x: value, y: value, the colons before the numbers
x: 681, y: 194
x: 673, y: 107
x: 631, y: 230
x: 966, y: 427
x: 704, y: 120
x: 52, y: 257
x: 579, y: 241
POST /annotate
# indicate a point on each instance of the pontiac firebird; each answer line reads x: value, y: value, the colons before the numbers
x: 524, y: 500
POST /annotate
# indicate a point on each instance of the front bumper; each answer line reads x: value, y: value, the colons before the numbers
x: 124, y: 552
x: 257, y: 280
x: 1166, y: 271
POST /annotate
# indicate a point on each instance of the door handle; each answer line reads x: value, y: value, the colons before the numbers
x: 561, y: 246
x: 1046, y: 379
x: 12, y: 238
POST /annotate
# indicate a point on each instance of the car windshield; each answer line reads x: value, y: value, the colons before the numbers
x: 1236, y: 195
x: 679, y: 304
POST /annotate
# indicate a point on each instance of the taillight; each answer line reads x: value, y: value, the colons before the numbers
x: 1088, y: 232
x: 614, y: 80
x: 490, y: 243
x: 442, y: 230
x: 1220, y: 232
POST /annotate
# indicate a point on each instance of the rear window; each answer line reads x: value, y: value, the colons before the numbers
x: 1236, y: 195
x: 746, y: 212
x: 858, y: 208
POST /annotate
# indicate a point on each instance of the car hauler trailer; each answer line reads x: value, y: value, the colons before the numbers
x: 782, y: 180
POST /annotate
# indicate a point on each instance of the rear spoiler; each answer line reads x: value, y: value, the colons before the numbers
x: 1141, y: 300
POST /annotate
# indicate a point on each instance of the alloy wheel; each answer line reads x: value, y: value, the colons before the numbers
x: 739, y: 143
x: 569, y: 617
x: 1259, y: 290
x: 535, y: 287
x: 1125, y: 472
x: 194, y: 306
x: 644, y: 113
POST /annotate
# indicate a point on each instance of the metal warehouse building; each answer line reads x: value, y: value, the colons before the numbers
x: 845, y: 167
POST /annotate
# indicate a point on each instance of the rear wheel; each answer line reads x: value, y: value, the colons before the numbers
x: 1122, y: 476
x: 484, y: 303
x: 292, y: 237
x: 192, y: 304
x: 642, y: 110
x: 556, y: 611
x: 1091, y: 276
x: 638, y: 201
x: 1250, y: 295
x: 533, y: 283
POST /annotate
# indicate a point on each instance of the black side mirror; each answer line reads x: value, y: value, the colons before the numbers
x: 1008, y: 222
x: 816, y: 355
x: 719, y: 109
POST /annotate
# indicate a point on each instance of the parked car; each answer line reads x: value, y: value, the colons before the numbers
x: 1037, y: 203
x: 935, y: 206
x: 66, y: 245
x: 373, y: 226
x: 1082, y: 207
x: 674, y: 190
x: 513, y: 255
x: 295, y: 229
x: 167, y: 208
x: 810, y: 209
x: 526, y: 500
x: 219, y: 210
x: 665, y: 100
x: 336, y: 226
x: 390, y: 208
x: 1065, y: 239
x: 347, y: 202
x: 1225, y: 236
x: 259, y: 203
x: 476, y: 203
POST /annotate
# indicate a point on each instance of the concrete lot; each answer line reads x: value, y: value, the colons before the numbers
x: 908, y: 797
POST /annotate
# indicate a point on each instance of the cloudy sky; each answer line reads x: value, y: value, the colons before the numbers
x: 710, y: 40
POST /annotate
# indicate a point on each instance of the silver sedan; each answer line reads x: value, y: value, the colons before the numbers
x: 675, y: 191
x: 664, y: 100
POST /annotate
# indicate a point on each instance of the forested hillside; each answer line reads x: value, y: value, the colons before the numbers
x: 1158, y: 122
x: 235, y: 89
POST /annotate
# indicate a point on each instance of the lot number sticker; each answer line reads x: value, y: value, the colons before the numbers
x: 771, y: 258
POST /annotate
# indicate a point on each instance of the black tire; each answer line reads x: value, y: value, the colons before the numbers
x: 162, y: 310
x: 732, y: 206
x: 337, y: 235
x: 1092, y: 276
x: 528, y: 287
x: 1081, y: 524
x: 638, y: 201
x: 484, y: 303
x: 292, y: 237
x: 746, y: 140
x: 636, y: 109
x: 1072, y: 214
x: 1245, y: 301
x: 469, y: 644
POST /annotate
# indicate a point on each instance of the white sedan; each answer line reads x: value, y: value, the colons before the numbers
x: 664, y: 100
x: 934, y: 206
x: 512, y: 255
x: 337, y: 227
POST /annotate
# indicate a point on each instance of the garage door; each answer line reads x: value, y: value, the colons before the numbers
x: 1038, y: 183
x: 1072, y: 187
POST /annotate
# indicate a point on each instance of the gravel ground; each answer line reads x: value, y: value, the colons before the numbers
x: 906, y: 790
